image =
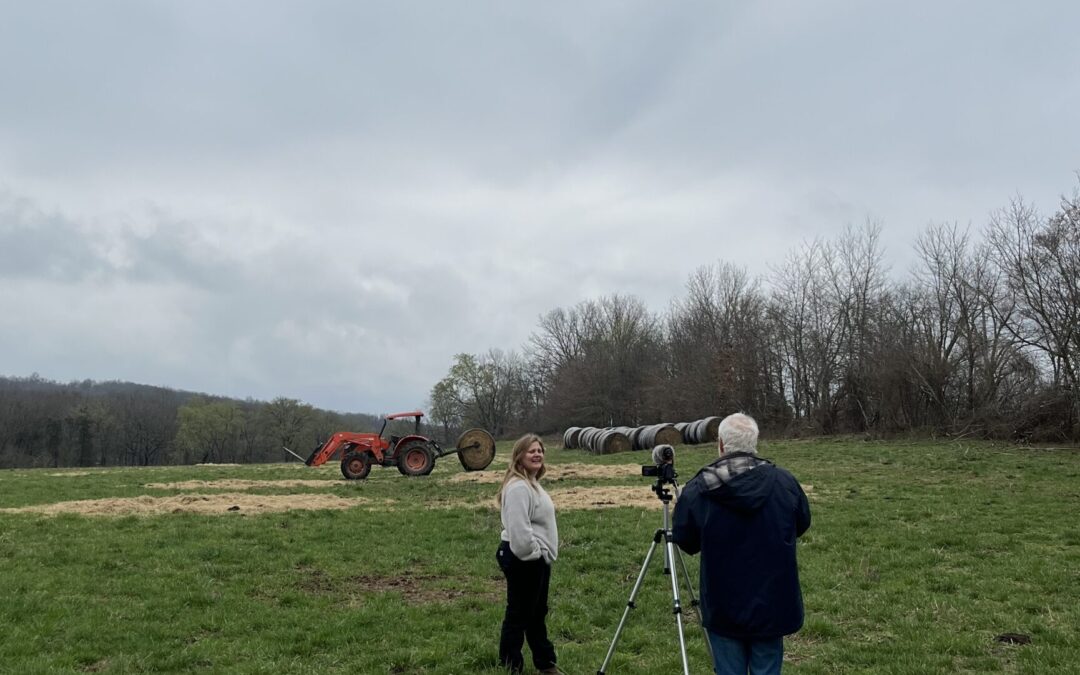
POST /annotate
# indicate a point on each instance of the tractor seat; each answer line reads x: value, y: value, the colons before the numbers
x: 394, y: 440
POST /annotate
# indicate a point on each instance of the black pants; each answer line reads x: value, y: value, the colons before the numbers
x: 527, y: 584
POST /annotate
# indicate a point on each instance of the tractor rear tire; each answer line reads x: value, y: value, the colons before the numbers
x: 355, y: 465
x: 415, y: 458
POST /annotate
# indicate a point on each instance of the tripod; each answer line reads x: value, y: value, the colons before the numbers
x: 665, y: 474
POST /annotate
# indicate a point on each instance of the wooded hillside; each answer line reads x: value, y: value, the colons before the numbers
x: 46, y: 423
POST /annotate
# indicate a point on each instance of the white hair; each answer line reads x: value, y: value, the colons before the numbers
x: 739, y: 433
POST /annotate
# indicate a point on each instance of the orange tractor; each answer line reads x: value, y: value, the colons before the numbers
x: 413, y: 455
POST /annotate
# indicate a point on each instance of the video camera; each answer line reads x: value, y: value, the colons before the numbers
x: 663, y: 468
x: 662, y: 455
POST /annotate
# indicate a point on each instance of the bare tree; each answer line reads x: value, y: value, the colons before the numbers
x: 860, y: 292
x: 596, y: 361
x: 147, y: 425
x: 810, y: 323
x: 722, y: 353
x: 1040, y: 259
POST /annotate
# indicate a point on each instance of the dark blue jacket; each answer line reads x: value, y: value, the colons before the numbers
x: 743, y: 513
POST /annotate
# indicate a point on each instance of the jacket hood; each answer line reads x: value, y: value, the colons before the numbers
x: 741, y: 480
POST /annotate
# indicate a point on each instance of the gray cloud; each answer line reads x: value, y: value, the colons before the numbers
x: 328, y: 201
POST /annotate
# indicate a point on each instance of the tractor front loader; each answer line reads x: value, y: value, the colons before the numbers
x: 413, y: 455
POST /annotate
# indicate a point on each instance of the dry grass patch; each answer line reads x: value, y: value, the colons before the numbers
x: 557, y: 472
x: 584, y: 498
x: 217, y: 504
x: 241, y: 484
x: 577, y: 498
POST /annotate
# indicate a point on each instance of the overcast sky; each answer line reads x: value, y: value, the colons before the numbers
x: 328, y: 200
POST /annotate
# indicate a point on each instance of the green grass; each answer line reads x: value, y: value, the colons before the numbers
x: 919, y: 555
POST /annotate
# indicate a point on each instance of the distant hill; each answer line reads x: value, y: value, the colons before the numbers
x: 90, y: 423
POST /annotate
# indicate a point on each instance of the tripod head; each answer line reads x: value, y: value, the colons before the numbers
x: 666, y: 476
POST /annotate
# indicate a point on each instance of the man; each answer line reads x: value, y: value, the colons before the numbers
x: 743, y: 513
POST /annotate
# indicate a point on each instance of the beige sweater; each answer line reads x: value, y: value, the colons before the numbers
x: 528, y: 519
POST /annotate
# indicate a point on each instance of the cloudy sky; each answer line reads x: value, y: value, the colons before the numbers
x: 328, y: 200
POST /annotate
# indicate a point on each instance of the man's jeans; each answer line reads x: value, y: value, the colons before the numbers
x: 739, y: 657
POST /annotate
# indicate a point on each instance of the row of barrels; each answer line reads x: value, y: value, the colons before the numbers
x: 622, y: 439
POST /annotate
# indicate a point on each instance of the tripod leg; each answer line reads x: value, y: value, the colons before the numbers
x: 670, y: 553
x: 629, y: 605
x: 694, y: 602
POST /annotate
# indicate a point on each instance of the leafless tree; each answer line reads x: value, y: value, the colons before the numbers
x: 722, y: 353
x: 1040, y: 260
x: 597, y: 362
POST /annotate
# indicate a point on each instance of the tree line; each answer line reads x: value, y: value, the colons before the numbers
x: 981, y: 338
x: 45, y: 423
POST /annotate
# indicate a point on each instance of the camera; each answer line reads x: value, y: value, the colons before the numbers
x: 663, y: 468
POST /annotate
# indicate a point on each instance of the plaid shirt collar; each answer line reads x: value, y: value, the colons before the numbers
x: 727, y: 467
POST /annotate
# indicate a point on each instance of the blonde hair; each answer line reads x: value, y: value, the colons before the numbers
x: 521, y: 446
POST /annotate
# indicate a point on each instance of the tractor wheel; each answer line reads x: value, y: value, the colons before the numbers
x: 476, y: 449
x: 415, y: 459
x: 355, y: 465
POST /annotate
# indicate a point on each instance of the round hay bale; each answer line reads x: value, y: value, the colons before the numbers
x: 570, y: 438
x: 685, y: 429
x: 710, y: 428
x: 635, y: 438
x: 586, y: 437
x: 691, y: 433
x: 660, y: 434
x: 476, y: 449
x: 611, y: 441
x: 666, y: 434
x: 647, y: 437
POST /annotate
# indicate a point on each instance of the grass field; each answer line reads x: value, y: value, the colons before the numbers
x: 919, y: 556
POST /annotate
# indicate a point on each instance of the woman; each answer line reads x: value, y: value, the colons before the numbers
x: 530, y: 543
